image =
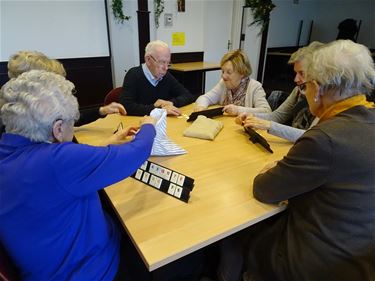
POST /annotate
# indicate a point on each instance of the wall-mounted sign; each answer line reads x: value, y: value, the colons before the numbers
x: 178, y: 39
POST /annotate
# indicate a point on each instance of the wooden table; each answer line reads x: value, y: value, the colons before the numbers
x: 193, y: 74
x: 163, y: 228
x: 195, y: 66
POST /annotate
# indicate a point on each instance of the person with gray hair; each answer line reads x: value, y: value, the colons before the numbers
x: 293, y: 111
x: 150, y: 85
x: 24, y: 61
x: 52, y: 222
x: 328, y: 230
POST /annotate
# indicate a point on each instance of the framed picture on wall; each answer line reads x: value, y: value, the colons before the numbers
x: 181, y: 6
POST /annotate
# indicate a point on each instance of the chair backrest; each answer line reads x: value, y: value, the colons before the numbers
x: 276, y: 98
x: 348, y: 29
x: 8, y: 271
x: 113, y: 96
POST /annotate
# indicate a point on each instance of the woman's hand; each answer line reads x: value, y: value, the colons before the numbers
x: 257, y: 123
x: 147, y: 120
x: 121, y: 136
x: 199, y: 108
x: 240, y: 119
x: 231, y: 109
x: 111, y: 108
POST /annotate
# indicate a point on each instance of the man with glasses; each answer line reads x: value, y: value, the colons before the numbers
x: 150, y: 85
x: 292, y: 117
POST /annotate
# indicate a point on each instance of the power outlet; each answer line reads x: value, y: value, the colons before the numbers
x: 168, y: 20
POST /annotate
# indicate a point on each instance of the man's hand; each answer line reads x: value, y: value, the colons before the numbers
x: 111, y: 108
x: 257, y: 123
x: 231, y: 109
x: 161, y: 103
x: 172, y: 110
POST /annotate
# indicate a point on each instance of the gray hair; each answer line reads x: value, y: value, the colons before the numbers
x: 24, y: 61
x: 34, y: 101
x: 301, y: 53
x: 154, y: 45
x: 342, y: 67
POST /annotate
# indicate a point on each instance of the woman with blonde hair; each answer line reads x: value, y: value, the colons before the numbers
x: 236, y: 90
x: 24, y: 61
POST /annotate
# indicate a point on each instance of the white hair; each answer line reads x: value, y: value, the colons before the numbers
x: 301, y: 53
x: 152, y: 47
x: 343, y: 68
x: 34, y: 101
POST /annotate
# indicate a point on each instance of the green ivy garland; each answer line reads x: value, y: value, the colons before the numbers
x: 261, y: 11
x: 159, y: 8
x: 117, y: 11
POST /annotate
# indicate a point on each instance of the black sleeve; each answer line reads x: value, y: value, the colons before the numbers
x: 306, y: 167
x: 87, y: 116
x: 180, y: 96
x: 128, y: 97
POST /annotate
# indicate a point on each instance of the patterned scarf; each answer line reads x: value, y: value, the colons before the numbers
x: 237, y: 96
x: 301, y: 115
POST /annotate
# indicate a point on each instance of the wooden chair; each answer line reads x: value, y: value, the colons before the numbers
x: 113, y: 96
x: 8, y: 271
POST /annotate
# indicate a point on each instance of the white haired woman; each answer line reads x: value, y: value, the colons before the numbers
x: 294, y: 110
x: 327, y: 231
x: 52, y: 222
x: 24, y: 61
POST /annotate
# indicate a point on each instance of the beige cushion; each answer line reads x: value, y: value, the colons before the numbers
x: 203, y: 128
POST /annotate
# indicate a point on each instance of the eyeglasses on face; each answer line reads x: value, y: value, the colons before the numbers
x: 160, y: 62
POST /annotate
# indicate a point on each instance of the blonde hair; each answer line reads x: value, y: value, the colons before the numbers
x: 239, y: 60
x: 24, y: 61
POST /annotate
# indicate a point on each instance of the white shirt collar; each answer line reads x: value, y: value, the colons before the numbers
x: 149, y: 75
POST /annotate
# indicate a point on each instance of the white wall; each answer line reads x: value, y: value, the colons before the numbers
x: 326, y: 14
x: 190, y: 22
x: 124, y: 41
x: 253, y: 40
x: 60, y: 29
x: 217, y: 23
x: 206, y: 24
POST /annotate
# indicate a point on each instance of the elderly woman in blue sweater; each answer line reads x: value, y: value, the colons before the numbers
x: 52, y: 222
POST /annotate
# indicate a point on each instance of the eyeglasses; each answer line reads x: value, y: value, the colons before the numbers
x: 302, y: 87
x: 119, y: 127
x: 161, y: 63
